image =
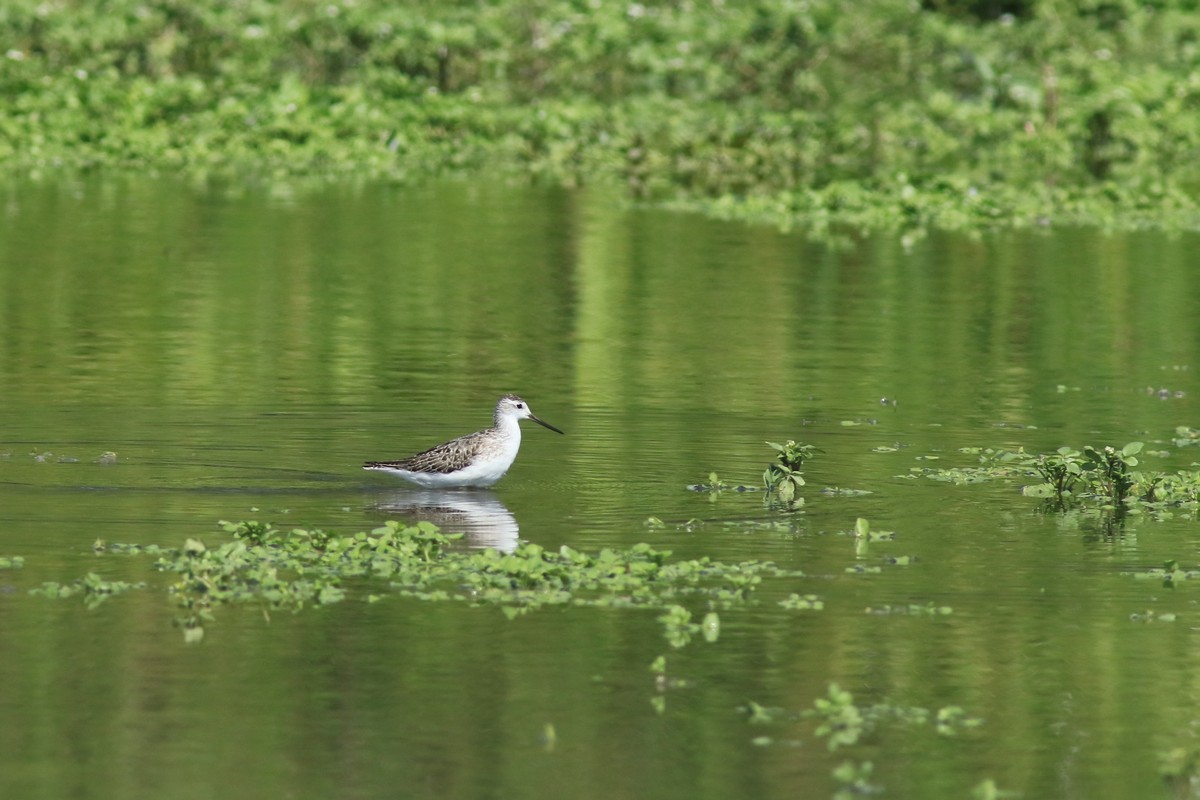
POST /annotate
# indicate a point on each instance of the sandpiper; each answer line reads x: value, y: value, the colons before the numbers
x: 477, y: 459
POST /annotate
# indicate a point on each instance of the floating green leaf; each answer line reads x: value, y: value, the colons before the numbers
x: 809, y: 602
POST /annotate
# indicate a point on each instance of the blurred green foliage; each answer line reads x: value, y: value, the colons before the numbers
x: 882, y: 113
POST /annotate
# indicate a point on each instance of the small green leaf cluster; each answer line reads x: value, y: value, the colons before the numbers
x: 716, y: 485
x: 1108, y: 476
x: 757, y: 714
x: 864, y: 538
x: 678, y: 625
x: 952, y: 719
x: 844, y: 723
x: 841, y: 720
x: 100, y: 547
x: 94, y: 588
x: 854, y: 780
x: 292, y: 570
x: 863, y: 535
x: 988, y: 789
x: 251, y: 532
x: 1186, y: 436
x: 808, y: 602
x: 663, y: 683
x: 1171, y: 574
x: 239, y: 572
x: 1179, y: 767
x: 1110, y: 470
x: 1061, y: 469
x: 912, y: 610
x: 782, y: 480
x: 749, y: 110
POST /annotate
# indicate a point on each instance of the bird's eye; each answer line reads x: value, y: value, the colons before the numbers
x: 520, y: 405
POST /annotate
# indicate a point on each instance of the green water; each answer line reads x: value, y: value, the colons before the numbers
x: 243, y: 350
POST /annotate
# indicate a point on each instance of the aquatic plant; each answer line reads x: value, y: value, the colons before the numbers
x: 782, y: 480
x: 809, y: 602
x: 752, y: 110
x: 912, y: 610
x: 1186, y: 436
x: 549, y: 737
x: 757, y: 714
x: 94, y: 588
x: 1171, y: 574
x: 293, y: 570
x: 715, y: 486
x: 679, y: 628
x: 252, y: 532
x: 864, y: 536
x: 987, y: 789
x: 1061, y: 470
x: 843, y: 722
x: 662, y: 682
x: 1108, y: 478
x: 854, y: 780
x: 678, y: 625
x: 1109, y: 470
x: 951, y: 720
x: 787, y: 525
x: 1179, y: 768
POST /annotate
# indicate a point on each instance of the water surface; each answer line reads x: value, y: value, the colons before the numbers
x: 243, y: 349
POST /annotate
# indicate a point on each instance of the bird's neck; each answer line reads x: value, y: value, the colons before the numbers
x: 509, y: 425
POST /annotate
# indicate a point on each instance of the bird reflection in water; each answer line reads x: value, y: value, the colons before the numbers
x: 480, y: 515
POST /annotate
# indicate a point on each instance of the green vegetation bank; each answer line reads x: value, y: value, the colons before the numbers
x: 885, y: 113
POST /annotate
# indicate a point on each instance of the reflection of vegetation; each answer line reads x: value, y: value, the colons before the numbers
x: 1058, y: 111
x: 1180, y: 770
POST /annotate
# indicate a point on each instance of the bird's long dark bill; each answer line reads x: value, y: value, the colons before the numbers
x: 545, y: 424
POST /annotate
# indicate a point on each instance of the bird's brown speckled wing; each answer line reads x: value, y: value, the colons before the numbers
x: 449, y: 457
